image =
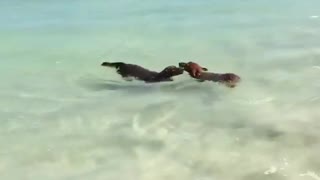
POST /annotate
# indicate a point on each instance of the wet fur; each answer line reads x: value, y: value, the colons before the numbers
x: 228, y: 79
x: 143, y: 74
x: 194, y: 69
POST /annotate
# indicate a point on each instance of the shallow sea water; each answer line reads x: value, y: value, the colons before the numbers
x: 63, y: 116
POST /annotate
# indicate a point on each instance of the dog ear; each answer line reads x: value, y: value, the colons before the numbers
x: 204, y: 69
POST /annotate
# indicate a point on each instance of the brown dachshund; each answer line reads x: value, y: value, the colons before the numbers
x: 143, y: 74
x: 228, y: 79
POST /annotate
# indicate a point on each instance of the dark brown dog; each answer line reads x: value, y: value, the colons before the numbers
x: 228, y: 79
x: 143, y: 74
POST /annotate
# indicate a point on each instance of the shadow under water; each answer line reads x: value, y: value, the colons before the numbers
x: 181, y: 87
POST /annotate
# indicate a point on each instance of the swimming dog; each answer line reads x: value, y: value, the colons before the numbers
x: 228, y: 79
x: 140, y: 73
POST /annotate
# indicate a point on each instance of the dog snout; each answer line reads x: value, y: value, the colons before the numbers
x: 182, y: 64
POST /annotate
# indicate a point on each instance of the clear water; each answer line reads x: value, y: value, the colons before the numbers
x: 63, y: 116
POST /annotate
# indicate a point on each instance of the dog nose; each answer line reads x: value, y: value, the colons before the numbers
x: 182, y: 64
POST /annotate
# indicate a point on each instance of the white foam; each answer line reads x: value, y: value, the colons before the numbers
x: 316, y: 67
x: 271, y: 170
x: 311, y: 174
x: 314, y: 16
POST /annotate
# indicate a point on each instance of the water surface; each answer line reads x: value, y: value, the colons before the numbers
x: 63, y: 116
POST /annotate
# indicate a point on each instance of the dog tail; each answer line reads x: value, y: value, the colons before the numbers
x: 113, y: 64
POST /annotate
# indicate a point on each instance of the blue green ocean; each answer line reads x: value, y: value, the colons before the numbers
x: 65, y: 117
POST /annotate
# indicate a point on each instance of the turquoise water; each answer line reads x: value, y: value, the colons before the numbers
x: 63, y: 116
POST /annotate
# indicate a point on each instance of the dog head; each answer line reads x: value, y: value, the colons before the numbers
x: 192, y: 68
x: 171, y: 71
x: 229, y: 79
